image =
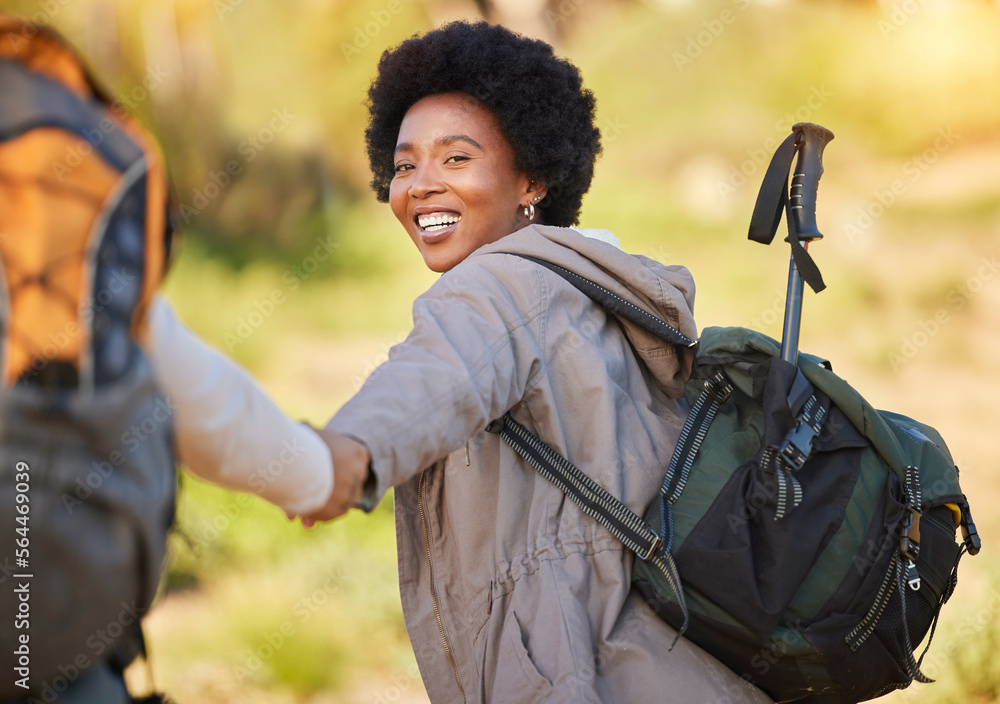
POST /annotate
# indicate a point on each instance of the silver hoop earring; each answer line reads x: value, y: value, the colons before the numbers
x: 529, y: 211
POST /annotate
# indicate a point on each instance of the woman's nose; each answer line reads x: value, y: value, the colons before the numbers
x: 426, y: 181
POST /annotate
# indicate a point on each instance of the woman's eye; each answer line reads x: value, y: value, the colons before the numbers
x: 403, y: 167
x: 457, y: 158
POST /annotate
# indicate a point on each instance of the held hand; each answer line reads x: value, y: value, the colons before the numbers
x: 350, y: 470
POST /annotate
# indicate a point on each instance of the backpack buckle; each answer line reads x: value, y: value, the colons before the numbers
x: 797, y: 447
x: 798, y: 444
x: 909, y: 543
x: 792, y: 456
x: 970, y: 535
x: 719, y: 387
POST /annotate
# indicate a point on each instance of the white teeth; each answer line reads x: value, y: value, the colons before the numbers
x: 437, y: 221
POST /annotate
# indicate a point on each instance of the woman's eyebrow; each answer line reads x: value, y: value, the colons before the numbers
x: 442, y: 141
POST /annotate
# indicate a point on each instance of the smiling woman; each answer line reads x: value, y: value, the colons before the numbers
x: 456, y: 187
x: 536, y: 100
x: 483, y: 143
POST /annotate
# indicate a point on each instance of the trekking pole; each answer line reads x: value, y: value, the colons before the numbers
x: 810, y: 142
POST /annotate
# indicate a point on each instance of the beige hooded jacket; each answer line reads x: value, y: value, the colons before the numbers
x: 511, y: 593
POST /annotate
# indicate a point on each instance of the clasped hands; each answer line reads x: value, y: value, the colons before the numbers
x: 351, y: 460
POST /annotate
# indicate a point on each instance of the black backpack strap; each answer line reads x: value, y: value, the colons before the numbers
x: 590, y: 496
x: 771, y: 201
x: 594, y: 500
x: 615, y: 304
x: 587, y: 494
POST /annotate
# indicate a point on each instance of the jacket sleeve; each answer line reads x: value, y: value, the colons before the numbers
x: 472, y: 353
x: 228, y: 429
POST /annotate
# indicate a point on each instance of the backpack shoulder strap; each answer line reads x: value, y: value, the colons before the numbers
x: 591, y: 497
x: 595, y: 501
x: 616, y: 304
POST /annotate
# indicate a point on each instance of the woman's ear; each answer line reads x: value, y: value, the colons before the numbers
x: 537, y: 191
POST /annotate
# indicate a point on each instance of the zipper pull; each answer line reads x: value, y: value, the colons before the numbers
x: 468, y: 462
x: 912, y: 577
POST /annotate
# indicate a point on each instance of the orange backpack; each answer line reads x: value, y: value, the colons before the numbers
x: 87, y: 473
x: 69, y: 159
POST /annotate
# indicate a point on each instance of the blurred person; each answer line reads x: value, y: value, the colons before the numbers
x: 101, y: 386
x: 483, y: 144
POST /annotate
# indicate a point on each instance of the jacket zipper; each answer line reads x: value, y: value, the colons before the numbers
x: 430, y: 565
x: 482, y: 670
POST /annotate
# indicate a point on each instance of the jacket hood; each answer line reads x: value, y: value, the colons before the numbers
x: 665, y: 291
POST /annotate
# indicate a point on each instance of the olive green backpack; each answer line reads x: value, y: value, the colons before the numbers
x: 801, y: 537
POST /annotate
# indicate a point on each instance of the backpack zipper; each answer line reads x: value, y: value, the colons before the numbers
x: 947, y: 527
x: 867, y: 625
x: 430, y: 565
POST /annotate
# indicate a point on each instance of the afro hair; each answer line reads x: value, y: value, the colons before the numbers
x: 544, y: 111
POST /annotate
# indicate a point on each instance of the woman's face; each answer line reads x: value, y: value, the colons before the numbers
x: 455, y: 186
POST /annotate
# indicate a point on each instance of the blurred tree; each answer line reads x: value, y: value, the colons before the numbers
x: 260, y: 106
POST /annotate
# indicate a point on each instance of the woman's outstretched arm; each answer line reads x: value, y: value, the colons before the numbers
x: 229, y: 431
x: 474, y: 348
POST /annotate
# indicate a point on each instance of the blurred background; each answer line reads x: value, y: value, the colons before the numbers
x: 260, y: 110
